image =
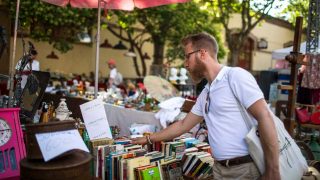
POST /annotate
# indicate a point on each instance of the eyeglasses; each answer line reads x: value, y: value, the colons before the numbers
x: 187, y: 56
x: 207, y: 105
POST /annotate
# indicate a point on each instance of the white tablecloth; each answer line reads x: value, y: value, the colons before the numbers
x: 124, y: 118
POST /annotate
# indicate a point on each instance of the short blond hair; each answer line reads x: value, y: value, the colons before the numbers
x: 202, y: 40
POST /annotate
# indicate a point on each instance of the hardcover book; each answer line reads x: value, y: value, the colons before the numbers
x: 136, y: 162
x: 152, y: 173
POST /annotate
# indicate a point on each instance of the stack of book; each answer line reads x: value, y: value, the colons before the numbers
x: 197, y: 165
x: 175, y: 149
x: 171, y: 170
x: 203, y: 147
x: 125, y: 161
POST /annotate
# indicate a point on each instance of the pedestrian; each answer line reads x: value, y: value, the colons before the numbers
x: 32, y: 65
x: 218, y: 106
x: 115, y: 77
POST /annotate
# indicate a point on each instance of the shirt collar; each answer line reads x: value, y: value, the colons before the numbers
x: 222, y: 72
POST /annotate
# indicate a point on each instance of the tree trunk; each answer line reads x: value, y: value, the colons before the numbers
x: 234, y: 45
x: 135, y: 62
x: 143, y: 62
x: 234, y: 56
x: 158, y: 51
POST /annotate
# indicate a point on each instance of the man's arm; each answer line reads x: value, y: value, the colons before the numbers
x: 173, y: 130
x: 268, y: 138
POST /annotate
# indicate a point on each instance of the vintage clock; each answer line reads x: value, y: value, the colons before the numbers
x: 12, y: 148
x: 5, y: 132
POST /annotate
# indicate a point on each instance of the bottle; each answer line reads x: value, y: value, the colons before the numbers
x: 315, y: 147
x: 50, y: 111
x: 44, y: 116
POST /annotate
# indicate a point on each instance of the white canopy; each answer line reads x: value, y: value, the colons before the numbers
x: 281, y: 53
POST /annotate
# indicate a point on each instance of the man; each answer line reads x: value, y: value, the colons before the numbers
x: 115, y: 78
x: 218, y: 106
x: 32, y: 65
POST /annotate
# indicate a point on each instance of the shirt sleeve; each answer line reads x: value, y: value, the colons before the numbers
x: 197, y: 108
x: 113, y: 74
x: 245, y: 87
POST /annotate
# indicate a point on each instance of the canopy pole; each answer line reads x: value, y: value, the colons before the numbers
x: 97, y: 52
x: 12, y: 69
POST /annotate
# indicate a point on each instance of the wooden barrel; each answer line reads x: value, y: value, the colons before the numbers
x: 75, y: 165
x: 33, y: 149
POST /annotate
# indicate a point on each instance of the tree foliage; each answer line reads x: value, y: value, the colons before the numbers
x: 296, y: 8
x: 252, y: 13
x: 57, y: 25
x: 164, y: 26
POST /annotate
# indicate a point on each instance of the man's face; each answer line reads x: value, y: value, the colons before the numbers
x: 193, y: 63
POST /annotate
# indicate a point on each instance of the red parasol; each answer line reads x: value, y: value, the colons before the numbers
x: 114, y: 4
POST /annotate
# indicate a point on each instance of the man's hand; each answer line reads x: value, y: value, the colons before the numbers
x: 141, y: 140
x: 174, y: 130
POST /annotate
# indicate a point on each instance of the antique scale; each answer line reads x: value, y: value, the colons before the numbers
x: 12, y: 148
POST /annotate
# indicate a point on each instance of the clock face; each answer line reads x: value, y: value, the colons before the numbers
x: 5, y: 132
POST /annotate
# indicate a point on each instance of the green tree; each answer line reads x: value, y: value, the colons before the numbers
x: 251, y: 12
x: 45, y: 22
x: 294, y: 9
x: 164, y: 26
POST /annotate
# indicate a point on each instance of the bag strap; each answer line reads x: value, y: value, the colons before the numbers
x: 242, y: 109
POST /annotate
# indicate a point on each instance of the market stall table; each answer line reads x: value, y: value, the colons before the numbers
x: 117, y: 116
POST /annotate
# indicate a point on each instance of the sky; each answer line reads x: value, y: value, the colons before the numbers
x: 282, y: 5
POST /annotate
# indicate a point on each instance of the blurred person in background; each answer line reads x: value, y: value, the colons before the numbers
x: 115, y: 77
x: 33, y: 65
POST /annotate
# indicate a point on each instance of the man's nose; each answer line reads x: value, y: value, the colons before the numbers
x: 186, y: 64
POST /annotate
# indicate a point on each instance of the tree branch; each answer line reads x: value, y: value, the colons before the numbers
x: 118, y: 35
x: 224, y: 17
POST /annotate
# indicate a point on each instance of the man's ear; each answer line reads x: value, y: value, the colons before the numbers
x: 202, y: 54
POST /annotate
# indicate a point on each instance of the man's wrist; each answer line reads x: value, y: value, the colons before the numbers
x: 148, y: 140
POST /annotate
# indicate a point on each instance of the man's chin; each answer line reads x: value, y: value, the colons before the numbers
x: 196, y: 80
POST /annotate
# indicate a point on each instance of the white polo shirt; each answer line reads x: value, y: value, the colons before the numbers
x: 226, y: 127
x: 115, y: 75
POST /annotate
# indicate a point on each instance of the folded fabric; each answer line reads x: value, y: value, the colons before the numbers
x: 166, y: 116
x: 169, y: 110
x: 172, y: 103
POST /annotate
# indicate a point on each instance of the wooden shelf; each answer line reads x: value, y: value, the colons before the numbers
x: 285, y: 87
